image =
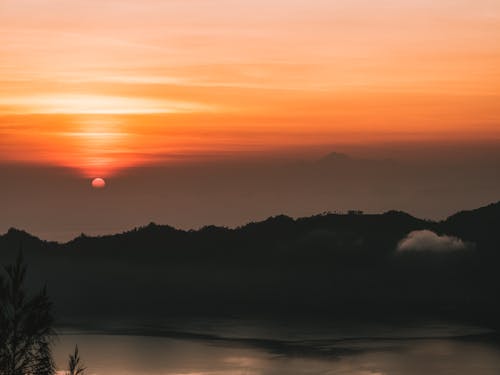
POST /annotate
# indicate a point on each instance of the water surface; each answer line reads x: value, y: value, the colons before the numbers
x: 239, y: 349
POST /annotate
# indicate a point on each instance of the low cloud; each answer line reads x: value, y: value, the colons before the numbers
x: 426, y: 240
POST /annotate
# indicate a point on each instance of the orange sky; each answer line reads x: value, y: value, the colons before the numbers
x: 104, y: 85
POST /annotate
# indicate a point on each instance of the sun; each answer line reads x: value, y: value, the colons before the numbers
x: 98, y: 183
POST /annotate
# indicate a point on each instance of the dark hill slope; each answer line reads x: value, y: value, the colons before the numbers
x: 479, y: 225
x: 324, y: 264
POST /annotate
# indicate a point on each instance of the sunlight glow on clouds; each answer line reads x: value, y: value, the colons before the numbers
x: 92, y: 104
x: 233, y: 76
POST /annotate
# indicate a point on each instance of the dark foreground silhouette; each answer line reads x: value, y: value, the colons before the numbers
x: 330, y: 264
x: 26, y: 328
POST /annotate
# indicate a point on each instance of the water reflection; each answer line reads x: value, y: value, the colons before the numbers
x: 145, y: 355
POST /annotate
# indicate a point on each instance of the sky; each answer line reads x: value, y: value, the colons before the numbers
x: 105, y: 88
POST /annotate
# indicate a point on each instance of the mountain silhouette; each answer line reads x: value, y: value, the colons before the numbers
x: 478, y: 225
x: 231, y: 192
x: 325, y: 264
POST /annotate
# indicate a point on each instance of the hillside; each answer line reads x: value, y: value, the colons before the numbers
x: 325, y: 264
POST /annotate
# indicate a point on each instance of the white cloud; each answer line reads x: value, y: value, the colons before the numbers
x: 426, y: 240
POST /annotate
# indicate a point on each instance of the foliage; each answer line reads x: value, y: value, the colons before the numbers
x: 26, y: 323
x: 75, y: 366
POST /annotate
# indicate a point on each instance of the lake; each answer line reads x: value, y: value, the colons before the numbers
x: 253, y: 348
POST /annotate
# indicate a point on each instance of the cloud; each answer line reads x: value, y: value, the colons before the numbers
x: 426, y: 240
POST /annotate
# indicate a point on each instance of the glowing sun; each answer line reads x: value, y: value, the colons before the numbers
x: 98, y: 183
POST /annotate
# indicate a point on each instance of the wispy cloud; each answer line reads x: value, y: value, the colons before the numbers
x: 426, y: 240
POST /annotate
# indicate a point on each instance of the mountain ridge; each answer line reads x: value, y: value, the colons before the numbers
x: 328, y: 263
x: 21, y: 233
